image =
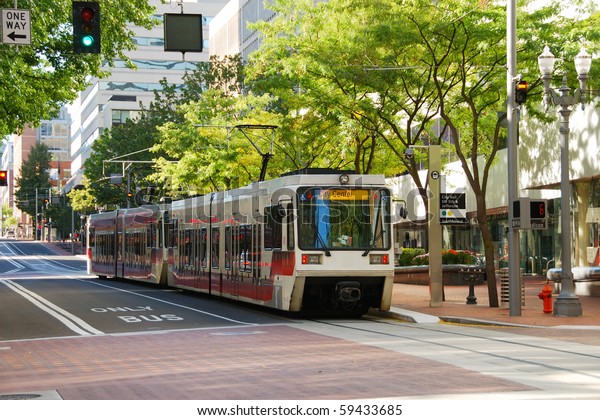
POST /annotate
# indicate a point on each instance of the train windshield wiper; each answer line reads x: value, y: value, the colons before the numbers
x: 379, y: 235
x: 372, y: 244
x: 323, y: 244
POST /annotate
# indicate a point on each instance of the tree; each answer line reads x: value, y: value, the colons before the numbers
x: 207, y: 152
x: 135, y: 139
x: 9, y: 221
x: 395, y: 68
x: 313, y: 58
x: 81, y: 200
x: 38, y: 78
x: 33, y: 180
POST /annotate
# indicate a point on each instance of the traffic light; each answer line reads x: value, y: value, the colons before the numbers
x: 86, y: 27
x: 521, y: 92
x: 3, y: 178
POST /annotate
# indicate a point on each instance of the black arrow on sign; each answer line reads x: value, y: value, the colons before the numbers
x: 14, y: 36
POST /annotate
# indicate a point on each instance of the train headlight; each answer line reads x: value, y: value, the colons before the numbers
x: 312, y: 258
x: 379, y: 259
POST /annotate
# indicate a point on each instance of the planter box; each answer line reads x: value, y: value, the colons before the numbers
x: 451, y: 274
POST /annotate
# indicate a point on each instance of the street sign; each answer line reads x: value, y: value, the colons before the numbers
x: 453, y: 208
x: 16, y: 27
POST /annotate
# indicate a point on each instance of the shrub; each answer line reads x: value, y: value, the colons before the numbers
x: 408, y: 255
x: 449, y: 256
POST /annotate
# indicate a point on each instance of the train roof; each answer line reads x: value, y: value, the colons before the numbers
x: 292, y: 180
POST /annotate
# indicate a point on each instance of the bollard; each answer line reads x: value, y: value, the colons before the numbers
x: 471, y: 277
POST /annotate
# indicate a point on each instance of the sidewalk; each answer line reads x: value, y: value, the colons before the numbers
x: 411, y: 302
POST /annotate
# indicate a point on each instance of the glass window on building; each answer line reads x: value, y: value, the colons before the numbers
x: 120, y: 116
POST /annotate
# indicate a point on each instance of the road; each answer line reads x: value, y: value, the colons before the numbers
x: 67, y: 335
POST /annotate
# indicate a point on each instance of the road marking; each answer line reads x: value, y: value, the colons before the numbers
x: 171, y: 303
x: 71, y: 321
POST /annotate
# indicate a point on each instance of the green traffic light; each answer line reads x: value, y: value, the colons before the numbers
x: 87, y: 40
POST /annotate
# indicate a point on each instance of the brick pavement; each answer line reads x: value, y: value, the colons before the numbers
x: 416, y: 298
x: 261, y: 363
x: 275, y: 362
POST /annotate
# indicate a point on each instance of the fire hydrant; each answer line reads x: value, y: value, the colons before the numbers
x: 546, y: 296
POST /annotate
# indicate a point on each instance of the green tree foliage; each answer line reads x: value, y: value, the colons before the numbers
x: 409, y: 72
x: 9, y: 221
x: 34, y: 175
x: 210, y: 151
x: 82, y: 201
x: 36, y: 79
x: 134, y: 140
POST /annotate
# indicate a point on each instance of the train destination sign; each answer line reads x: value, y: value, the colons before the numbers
x: 16, y: 26
x: 344, y: 195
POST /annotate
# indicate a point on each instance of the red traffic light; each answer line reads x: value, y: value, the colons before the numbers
x: 3, y: 178
x: 87, y: 14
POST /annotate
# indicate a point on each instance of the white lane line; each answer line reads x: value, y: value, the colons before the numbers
x: 15, y: 263
x: 171, y: 303
x: 71, y: 321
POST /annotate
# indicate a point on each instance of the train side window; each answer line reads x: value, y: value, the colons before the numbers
x: 173, y: 233
x: 244, y: 247
x: 228, y: 248
x: 214, y: 256
x: 198, y: 255
x: 256, y: 250
x: 203, y: 245
x: 290, y: 226
x: 273, y: 227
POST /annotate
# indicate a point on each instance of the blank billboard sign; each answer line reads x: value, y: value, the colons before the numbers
x: 183, y: 32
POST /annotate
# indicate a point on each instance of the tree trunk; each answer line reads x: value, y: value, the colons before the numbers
x: 488, y: 246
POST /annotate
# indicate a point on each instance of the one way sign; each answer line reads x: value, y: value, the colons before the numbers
x: 16, y: 26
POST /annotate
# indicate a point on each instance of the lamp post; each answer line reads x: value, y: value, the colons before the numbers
x: 567, y: 303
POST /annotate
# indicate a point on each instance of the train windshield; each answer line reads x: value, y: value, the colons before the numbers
x: 334, y: 219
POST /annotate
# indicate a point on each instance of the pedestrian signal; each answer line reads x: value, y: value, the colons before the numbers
x: 521, y: 92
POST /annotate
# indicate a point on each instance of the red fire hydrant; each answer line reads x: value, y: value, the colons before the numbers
x: 546, y: 296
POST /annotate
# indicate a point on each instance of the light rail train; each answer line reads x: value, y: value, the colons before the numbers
x: 310, y: 240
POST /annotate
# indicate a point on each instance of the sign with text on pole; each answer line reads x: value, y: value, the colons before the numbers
x: 453, y: 208
x: 183, y: 33
x: 530, y: 213
x: 16, y: 27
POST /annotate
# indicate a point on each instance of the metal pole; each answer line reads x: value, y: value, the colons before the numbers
x: 436, y: 284
x: 514, y: 252
x: 567, y: 303
x: 36, y: 215
x: 72, y: 231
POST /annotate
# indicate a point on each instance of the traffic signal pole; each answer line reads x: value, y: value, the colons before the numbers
x: 514, y: 252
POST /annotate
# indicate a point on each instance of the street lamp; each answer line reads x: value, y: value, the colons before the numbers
x: 567, y: 303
